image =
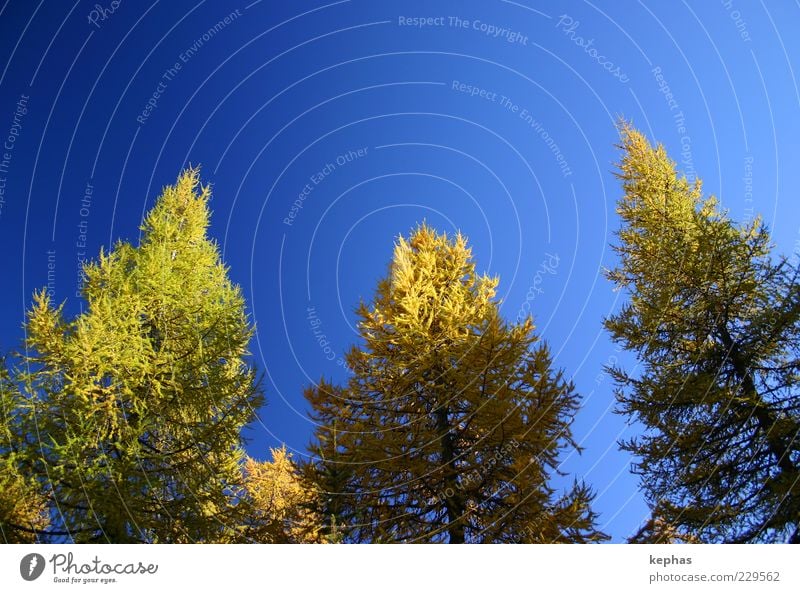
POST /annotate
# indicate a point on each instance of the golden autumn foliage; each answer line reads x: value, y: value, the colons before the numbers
x: 23, y: 509
x: 658, y: 530
x: 714, y: 319
x: 453, y: 421
x: 23, y: 504
x: 280, y: 502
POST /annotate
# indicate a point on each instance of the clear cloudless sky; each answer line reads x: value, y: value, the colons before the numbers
x: 493, y: 117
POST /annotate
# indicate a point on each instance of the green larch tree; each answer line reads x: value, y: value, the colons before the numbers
x: 139, y: 402
x: 452, y: 424
x: 714, y: 320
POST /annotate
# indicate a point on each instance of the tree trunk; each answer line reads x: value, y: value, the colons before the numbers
x: 455, y: 503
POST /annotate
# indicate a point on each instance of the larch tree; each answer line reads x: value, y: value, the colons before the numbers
x: 23, y: 504
x: 452, y: 424
x: 714, y: 320
x: 139, y: 402
x: 282, y: 504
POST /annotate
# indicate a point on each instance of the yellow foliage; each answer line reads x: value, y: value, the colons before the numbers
x: 20, y: 506
x: 280, y: 500
x: 453, y: 419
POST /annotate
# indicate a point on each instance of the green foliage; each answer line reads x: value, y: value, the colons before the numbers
x: 452, y: 424
x: 715, y: 323
x: 140, y: 400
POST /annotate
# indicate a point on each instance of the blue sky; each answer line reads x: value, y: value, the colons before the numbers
x: 327, y: 129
